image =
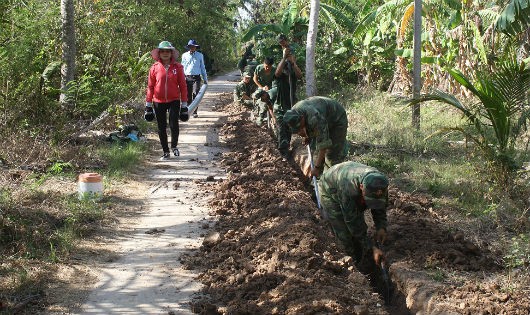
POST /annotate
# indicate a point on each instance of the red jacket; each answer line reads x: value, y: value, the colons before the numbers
x: 166, y: 86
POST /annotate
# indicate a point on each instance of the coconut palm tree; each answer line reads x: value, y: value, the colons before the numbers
x: 500, y: 115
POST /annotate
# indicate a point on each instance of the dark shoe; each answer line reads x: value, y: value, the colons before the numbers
x: 166, y: 156
x: 176, y: 152
x: 195, y: 115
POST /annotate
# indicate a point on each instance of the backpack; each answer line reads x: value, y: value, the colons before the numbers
x: 125, y: 133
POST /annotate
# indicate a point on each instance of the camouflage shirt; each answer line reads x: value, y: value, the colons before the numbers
x: 342, y: 183
x: 242, y: 89
x: 321, y: 114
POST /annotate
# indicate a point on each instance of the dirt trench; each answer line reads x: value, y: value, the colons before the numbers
x: 271, y: 253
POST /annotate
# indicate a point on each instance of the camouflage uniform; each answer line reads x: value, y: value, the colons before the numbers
x: 326, y: 125
x: 342, y: 201
x: 250, y: 68
x: 265, y: 80
x: 284, y: 88
x: 241, y: 89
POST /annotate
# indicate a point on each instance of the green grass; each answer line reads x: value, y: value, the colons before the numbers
x: 440, y: 164
x: 41, y: 224
x: 122, y: 159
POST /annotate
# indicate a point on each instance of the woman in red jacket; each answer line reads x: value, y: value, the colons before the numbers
x: 167, y: 92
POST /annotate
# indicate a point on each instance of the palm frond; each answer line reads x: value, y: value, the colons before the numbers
x: 479, y: 141
x: 338, y: 17
x: 515, y: 17
x: 513, y: 82
x: 460, y: 78
x: 259, y: 28
x: 488, y: 17
x: 440, y: 96
x: 367, y: 22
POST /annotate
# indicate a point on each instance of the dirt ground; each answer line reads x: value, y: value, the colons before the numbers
x: 271, y: 253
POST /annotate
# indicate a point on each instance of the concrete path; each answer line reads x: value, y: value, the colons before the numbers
x: 148, y: 278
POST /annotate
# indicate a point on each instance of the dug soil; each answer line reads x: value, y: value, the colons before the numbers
x: 272, y: 253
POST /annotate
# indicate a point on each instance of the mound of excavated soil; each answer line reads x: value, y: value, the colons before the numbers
x: 271, y: 253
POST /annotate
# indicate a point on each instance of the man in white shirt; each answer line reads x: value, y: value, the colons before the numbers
x: 194, y: 68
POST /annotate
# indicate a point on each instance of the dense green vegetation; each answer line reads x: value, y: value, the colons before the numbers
x: 364, y: 55
x: 113, y: 44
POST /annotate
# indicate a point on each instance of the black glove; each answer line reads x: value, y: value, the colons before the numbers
x: 184, y: 115
x: 149, y: 114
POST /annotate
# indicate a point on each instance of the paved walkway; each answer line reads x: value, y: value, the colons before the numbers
x: 148, y: 278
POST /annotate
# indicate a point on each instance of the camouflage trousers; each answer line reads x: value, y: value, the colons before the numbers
x: 338, y: 151
x: 283, y: 132
x: 260, y: 112
x: 348, y: 225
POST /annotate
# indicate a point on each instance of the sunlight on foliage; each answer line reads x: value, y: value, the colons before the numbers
x: 519, y: 252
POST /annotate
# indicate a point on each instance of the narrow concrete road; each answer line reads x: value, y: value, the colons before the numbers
x: 148, y: 278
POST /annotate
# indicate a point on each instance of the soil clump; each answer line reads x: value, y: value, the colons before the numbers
x: 271, y: 253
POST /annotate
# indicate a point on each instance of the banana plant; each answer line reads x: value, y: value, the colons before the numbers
x: 291, y: 20
x: 501, y: 114
x: 514, y: 18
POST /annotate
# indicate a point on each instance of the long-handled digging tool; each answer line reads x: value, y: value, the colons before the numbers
x: 387, y: 282
x: 315, y: 183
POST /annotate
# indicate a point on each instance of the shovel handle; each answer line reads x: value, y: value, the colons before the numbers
x: 314, y: 178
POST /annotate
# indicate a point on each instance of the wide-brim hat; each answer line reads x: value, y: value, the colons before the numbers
x: 155, y: 53
x: 375, y: 190
x: 192, y: 42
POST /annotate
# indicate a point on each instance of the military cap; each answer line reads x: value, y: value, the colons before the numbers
x: 292, y: 118
x: 375, y: 190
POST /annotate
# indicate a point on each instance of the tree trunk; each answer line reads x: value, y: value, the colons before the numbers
x: 311, y: 87
x: 417, y: 63
x: 69, y: 49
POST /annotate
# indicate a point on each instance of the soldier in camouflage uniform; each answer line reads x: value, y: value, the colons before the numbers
x: 346, y: 190
x: 286, y: 75
x: 263, y: 77
x: 323, y: 124
x: 243, y: 91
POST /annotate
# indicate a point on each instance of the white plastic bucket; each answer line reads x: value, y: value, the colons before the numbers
x: 90, y: 186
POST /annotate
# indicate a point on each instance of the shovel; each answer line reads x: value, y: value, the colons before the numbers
x: 387, y: 283
x: 315, y: 184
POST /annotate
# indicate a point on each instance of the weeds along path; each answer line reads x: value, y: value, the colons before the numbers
x: 148, y: 278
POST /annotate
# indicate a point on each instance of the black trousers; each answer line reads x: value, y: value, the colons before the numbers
x: 193, y: 83
x: 161, y: 110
